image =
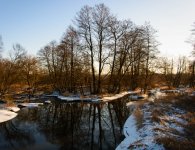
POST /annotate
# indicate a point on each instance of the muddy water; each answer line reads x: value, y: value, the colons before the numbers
x: 66, y: 126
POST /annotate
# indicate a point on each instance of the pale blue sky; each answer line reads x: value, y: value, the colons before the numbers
x: 34, y: 23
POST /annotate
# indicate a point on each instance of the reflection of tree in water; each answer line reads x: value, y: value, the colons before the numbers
x: 69, y: 125
x: 15, y: 137
x: 121, y: 111
x: 82, y: 125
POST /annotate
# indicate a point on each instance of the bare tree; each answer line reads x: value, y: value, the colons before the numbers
x: 192, y: 66
x: 10, y: 68
x: 101, y: 16
x: 29, y: 72
x: 151, y: 52
x: 117, y: 29
x: 85, y: 29
x: 192, y: 74
x: 167, y: 70
x: 181, y: 71
x: 49, y: 58
x: 130, y: 52
x: 71, y: 40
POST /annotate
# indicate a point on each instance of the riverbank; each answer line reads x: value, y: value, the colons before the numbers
x: 167, y: 123
x: 6, y: 114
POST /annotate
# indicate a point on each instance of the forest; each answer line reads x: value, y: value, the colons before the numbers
x: 97, y: 54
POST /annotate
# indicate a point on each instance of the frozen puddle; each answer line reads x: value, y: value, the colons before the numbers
x: 6, y: 115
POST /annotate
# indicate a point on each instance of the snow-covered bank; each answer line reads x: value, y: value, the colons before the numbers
x: 29, y: 105
x: 92, y: 99
x: 6, y: 115
x: 117, y: 96
x: 160, y: 124
x: 13, y: 108
x: 138, y: 138
x: 78, y: 99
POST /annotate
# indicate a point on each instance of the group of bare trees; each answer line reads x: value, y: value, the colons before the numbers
x: 192, y: 64
x: 99, y: 53
x: 176, y: 72
x: 18, y: 68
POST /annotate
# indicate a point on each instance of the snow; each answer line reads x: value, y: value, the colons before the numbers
x: 155, y: 94
x: 137, y: 97
x: 96, y: 99
x: 13, y: 108
x: 73, y: 99
x: 135, y: 138
x: 132, y: 132
x: 117, y: 96
x: 193, y: 93
x: 6, y: 115
x: 143, y: 134
x: 30, y: 105
x: 66, y: 98
x: 48, y: 102
x: 54, y: 94
x: 130, y: 104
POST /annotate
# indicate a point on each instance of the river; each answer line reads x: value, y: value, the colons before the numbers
x: 59, y: 126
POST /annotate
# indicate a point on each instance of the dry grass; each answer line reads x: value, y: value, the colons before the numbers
x: 168, y: 106
x: 190, y: 126
x: 172, y: 143
x: 139, y: 117
x: 185, y: 102
x: 167, y: 99
x: 137, y: 145
x: 156, y: 113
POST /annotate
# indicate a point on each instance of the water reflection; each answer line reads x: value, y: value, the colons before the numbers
x: 66, y: 126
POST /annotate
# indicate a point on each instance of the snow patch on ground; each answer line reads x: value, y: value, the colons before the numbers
x: 30, y: 105
x: 143, y: 134
x: 13, y: 108
x: 117, y: 96
x: 142, y: 138
x: 130, y: 133
x: 66, y: 98
x: 6, y: 115
x: 131, y: 103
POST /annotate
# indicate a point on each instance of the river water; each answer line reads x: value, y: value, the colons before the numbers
x: 64, y: 126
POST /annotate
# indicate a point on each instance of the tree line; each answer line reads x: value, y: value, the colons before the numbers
x: 98, y: 53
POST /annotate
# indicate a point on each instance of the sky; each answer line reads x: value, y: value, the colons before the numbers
x: 34, y: 23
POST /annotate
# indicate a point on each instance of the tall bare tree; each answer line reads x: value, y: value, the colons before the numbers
x: 101, y: 16
x: 151, y: 52
x: 10, y: 68
x: 117, y: 29
x: 71, y: 40
x: 84, y: 21
x: 29, y: 72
